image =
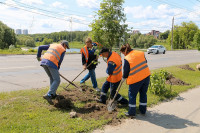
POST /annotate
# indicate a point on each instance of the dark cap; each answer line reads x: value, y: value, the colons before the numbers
x: 104, y: 50
x: 66, y: 43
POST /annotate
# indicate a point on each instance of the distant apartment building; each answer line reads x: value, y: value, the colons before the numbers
x: 25, y: 32
x: 154, y: 33
x: 136, y: 31
x: 18, y: 31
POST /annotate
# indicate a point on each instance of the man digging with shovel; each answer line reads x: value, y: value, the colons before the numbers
x: 114, y: 70
x: 51, y: 62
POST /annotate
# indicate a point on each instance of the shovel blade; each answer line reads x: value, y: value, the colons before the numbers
x: 111, y: 105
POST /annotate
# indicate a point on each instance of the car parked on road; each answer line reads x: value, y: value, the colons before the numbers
x: 156, y: 49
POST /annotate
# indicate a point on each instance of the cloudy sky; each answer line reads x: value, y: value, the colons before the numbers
x: 46, y: 16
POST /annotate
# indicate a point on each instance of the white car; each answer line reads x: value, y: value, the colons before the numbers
x: 156, y: 49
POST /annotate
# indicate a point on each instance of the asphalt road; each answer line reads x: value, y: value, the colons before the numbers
x: 18, y: 72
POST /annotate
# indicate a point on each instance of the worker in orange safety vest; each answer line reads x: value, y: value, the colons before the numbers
x: 88, y: 56
x: 137, y: 75
x: 114, y: 70
x: 51, y: 62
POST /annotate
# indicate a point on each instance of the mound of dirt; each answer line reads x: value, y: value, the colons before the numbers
x: 175, y: 81
x: 91, y: 109
x: 186, y: 67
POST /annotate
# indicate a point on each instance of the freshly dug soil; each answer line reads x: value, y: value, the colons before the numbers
x: 186, y: 67
x: 91, y: 109
x: 175, y: 81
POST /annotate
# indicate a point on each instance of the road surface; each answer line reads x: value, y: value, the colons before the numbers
x: 18, y: 72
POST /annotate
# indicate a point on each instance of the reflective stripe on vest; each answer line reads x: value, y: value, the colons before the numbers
x: 85, y: 52
x: 117, y: 73
x: 48, y: 52
x: 54, y: 52
x: 139, y: 69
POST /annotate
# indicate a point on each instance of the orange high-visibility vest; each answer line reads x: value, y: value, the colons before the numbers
x: 53, y: 53
x: 84, y: 50
x: 117, y: 73
x: 139, y: 69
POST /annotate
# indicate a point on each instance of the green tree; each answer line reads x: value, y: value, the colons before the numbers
x: 7, y: 36
x: 196, y: 40
x: 133, y: 39
x: 164, y: 35
x: 47, y: 41
x: 109, y: 28
x: 183, y: 35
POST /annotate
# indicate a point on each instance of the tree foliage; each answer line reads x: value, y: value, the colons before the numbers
x: 196, y: 40
x: 183, y: 35
x: 164, y: 35
x: 25, y: 41
x: 141, y: 41
x: 63, y: 35
x: 109, y: 28
x: 7, y: 36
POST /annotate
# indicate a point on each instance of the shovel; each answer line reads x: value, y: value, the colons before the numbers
x: 81, y: 73
x: 112, y: 104
x: 70, y: 83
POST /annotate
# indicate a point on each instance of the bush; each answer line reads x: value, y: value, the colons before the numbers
x: 158, y: 85
x: 31, y: 50
x: 12, y: 47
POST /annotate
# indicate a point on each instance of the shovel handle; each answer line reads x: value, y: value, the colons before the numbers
x: 120, y: 84
x: 70, y: 82
x: 79, y: 74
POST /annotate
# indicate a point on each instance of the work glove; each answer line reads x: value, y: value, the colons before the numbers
x: 38, y: 58
x: 85, y: 66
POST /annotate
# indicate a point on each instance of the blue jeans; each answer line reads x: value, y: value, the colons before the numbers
x: 54, y: 79
x: 91, y: 75
x: 141, y: 87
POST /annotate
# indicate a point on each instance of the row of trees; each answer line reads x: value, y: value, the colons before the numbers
x: 7, y: 36
x: 185, y: 36
x: 63, y: 35
x: 141, y: 41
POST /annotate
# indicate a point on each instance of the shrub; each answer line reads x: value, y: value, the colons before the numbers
x: 158, y: 85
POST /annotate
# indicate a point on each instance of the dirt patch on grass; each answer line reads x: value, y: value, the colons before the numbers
x: 175, y: 81
x: 186, y: 67
x: 91, y: 108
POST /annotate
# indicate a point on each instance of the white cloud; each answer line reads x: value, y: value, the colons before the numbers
x: 141, y: 12
x: 30, y: 2
x: 88, y: 3
x: 58, y: 4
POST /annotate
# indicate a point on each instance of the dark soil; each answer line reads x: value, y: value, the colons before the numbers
x: 91, y: 109
x: 186, y: 67
x: 175, y: 81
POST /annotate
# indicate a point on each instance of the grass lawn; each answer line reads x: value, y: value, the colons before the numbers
x: 26, y: 111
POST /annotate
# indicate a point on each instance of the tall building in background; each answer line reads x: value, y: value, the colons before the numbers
x: 25, y: 32
x: 18, y: 31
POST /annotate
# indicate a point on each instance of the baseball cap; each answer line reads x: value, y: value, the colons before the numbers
x: 104, y: 50
x: 66, y: 43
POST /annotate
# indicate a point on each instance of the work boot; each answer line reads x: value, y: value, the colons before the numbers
x: 128, y: 115
x: 49, y: 99
x: 53, y: 96
x: 101, y: 101
x: 97, y: 89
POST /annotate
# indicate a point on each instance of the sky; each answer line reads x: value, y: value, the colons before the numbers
x: 46, y: 16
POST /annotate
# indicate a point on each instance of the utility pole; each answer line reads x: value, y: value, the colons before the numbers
x: 172, y: 33
x: 71, y: 27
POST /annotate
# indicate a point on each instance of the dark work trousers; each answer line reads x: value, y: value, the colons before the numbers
x: 141, y: 87
x: 113, y: 88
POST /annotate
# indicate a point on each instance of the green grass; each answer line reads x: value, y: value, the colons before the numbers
x: 77, y: 45
x: 15, y: 52
x: 26, y: 111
